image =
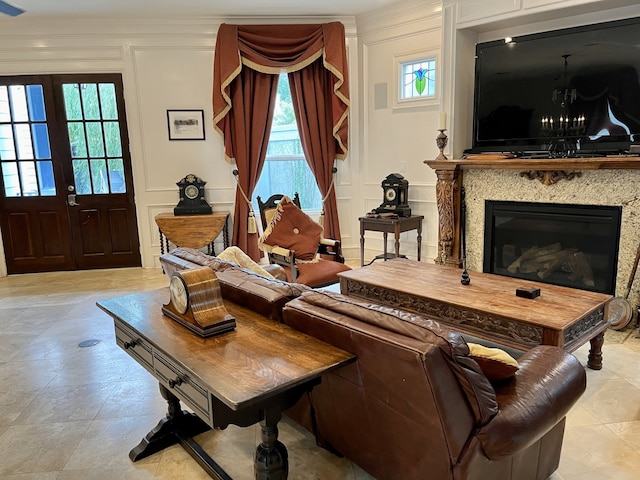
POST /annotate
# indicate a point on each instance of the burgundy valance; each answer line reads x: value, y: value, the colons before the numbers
x: 280, y: 48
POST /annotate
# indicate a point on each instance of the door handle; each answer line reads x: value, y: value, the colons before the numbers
x: 71, y: 200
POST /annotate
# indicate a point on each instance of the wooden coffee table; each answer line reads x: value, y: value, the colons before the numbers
x: 242, y: 377
x: 488, y: 307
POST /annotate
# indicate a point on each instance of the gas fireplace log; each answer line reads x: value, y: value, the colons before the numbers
x: 569, y: 260
x: 578, y: 265
x: 532, y: 253
x: 555, y: 262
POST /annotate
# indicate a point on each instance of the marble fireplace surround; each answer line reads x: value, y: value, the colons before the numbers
x: 588, y: 181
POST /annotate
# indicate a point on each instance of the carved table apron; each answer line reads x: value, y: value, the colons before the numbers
x: 242, y: 377
x: 488, y: 307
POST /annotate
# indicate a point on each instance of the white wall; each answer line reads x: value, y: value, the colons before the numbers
x: 168, y: 64
x: 398, y: 140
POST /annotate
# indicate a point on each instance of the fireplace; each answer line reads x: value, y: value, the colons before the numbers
x: 563, y: 244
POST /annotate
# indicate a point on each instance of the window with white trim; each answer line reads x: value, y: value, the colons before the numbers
x: 417, y: 79
x: 285, y: 168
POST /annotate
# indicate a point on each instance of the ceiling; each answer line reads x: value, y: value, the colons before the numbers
x: 193, y: 8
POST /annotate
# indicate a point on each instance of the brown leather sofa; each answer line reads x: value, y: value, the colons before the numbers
x: 414, y: 405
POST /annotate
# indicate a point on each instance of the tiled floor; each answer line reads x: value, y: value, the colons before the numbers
x: 69, y: 412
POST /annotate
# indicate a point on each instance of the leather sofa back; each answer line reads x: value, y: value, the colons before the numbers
x: 411, y: 390
x: 266, y: 296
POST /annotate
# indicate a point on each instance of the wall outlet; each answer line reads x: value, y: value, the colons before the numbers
x: 402, y: 167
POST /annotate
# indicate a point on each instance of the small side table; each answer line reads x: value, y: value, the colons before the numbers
x: 192, y: 231
x: 390, y: 225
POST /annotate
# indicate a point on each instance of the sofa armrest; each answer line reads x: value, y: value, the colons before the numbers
x: 540, y: 394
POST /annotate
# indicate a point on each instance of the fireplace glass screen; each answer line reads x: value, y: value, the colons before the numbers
x: 570, y: 245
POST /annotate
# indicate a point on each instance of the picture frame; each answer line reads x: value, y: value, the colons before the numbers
x: 185, y: 124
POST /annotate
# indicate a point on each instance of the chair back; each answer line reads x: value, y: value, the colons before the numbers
x: 268, y: 207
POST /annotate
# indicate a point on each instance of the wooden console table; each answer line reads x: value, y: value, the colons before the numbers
x: 193, y: 231
x: 390, y: 225
x: 488, y: 307
x: 249, y: 375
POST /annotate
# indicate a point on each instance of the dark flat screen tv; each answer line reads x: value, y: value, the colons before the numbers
x: 569, y: 92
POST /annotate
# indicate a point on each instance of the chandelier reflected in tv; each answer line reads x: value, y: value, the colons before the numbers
x: 564, y: 129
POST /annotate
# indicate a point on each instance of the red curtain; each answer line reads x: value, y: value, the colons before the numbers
x: 272, y: 49
x: 254, y: 97
x: 311, y: 96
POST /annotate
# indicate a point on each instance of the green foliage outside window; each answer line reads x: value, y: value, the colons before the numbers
x: 94, y: 135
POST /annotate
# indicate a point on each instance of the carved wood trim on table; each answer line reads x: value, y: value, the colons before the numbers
x: 548, y: 170
x: 466, y: 319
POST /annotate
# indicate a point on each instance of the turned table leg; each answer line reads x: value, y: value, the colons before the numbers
x: 595, y: 353
x: 271, y: 460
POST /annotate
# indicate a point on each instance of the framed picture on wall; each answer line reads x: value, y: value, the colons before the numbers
x: 185, y: 124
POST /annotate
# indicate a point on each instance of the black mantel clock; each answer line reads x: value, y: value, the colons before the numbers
x: 192, y: 201
x: 395, y: 196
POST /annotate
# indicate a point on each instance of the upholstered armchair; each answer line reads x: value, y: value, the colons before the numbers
x: 295, y: 241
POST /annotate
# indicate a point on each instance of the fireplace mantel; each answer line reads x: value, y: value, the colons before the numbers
x: 618, y: 162
x: 547, y: 170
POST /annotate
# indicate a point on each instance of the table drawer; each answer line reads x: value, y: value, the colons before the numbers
x: 182, y: 385
x: 131, y: 343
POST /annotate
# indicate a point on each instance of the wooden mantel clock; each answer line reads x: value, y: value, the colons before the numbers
x: 196, y: 302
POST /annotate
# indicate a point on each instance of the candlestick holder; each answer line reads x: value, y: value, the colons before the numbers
x: 441, y: 143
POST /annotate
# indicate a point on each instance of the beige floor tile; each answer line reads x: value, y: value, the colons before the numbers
x: 595, y: 448
x: 33, y: 476
x: 39, y: 448
x: 64, y: 404
x: 107, y: 443
x: 612, y: 401
x: 134, y: 398
x: 13, y: 402
x: 627, y: 431
x: 135, y: 471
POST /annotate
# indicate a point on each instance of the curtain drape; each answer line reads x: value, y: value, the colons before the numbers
x: 273, y: 49
x: 254, y: 98
x: 311, y: 97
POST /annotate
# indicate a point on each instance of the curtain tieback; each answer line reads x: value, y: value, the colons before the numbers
x: 251, y: 220
x: 333, y: 180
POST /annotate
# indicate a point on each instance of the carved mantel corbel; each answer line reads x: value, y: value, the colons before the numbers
x: 550, y: 177
x: 448, y: 198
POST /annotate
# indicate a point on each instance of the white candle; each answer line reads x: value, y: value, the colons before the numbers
x: 443, y: 121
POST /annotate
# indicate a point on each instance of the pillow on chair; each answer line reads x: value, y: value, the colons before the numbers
x: 293, y: 229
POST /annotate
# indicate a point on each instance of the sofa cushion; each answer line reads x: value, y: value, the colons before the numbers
x: 293, y: 229
x: 494, y: 362
x: 479, y: 392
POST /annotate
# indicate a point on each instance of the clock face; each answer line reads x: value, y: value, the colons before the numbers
x: 191, y: 192
x: 179, y: 295
x: 389, y: 194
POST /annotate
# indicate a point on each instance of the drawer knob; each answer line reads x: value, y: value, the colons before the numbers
x: 131, y: 344
x: 175, y: 382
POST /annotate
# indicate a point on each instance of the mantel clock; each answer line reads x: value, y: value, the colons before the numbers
x: 395, y: 194
x: 192, y: 201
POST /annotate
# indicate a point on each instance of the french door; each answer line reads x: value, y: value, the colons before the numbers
x: 66, y: 189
